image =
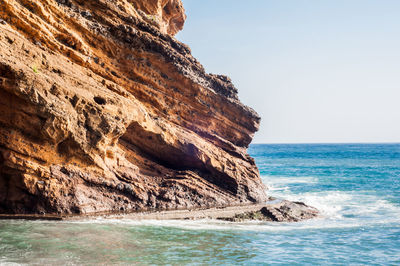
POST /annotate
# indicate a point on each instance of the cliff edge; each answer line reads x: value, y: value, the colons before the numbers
x: 102, y: 109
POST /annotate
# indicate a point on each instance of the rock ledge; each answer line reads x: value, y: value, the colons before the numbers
x: 271, y: 211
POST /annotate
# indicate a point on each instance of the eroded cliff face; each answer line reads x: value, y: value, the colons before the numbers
x: 101, y: 109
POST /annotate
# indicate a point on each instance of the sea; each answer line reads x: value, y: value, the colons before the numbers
x: 355, y: 186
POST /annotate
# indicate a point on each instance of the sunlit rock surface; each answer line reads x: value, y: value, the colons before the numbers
x: 102, y: 109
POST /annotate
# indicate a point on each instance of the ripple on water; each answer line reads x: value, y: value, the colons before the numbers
x: 356, y: 187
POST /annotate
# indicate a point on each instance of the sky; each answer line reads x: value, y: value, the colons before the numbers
x: 316, y: 71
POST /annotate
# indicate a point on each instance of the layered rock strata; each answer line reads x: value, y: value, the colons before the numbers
x: 102, y: 109
x: 273, y: 210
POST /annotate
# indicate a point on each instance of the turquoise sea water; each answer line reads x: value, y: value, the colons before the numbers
x: 356, y: 186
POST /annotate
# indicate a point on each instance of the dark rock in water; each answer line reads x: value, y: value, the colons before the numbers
x: 284, y: 211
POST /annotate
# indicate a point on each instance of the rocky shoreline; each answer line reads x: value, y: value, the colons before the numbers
x: 274, y: 210
x: 103, y: 112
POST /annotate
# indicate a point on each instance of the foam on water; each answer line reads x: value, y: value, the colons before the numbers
x: 338, y: 209
x: 343, y: 208
x: 356, y: 188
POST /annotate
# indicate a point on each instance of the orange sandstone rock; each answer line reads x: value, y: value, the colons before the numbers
x: 101, y: 109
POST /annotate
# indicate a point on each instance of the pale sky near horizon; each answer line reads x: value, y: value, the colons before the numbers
x: 315, y: 71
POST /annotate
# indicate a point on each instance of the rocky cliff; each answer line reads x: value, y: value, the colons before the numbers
x: 102, y: 109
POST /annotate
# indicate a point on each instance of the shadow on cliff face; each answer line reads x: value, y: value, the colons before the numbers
x: 3, y: 186
x: 177, y: 156
x: 7, y: 76
x: 14, y: 195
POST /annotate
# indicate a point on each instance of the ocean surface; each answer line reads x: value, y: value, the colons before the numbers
x: 355, y: 186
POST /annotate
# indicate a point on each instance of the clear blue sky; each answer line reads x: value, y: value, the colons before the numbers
x: 316, y: 71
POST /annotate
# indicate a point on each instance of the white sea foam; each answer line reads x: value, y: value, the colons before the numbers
x: 283, y: 183
x: 339, y: 209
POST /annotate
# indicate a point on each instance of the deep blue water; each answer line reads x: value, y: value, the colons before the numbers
x: 356, y: 187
